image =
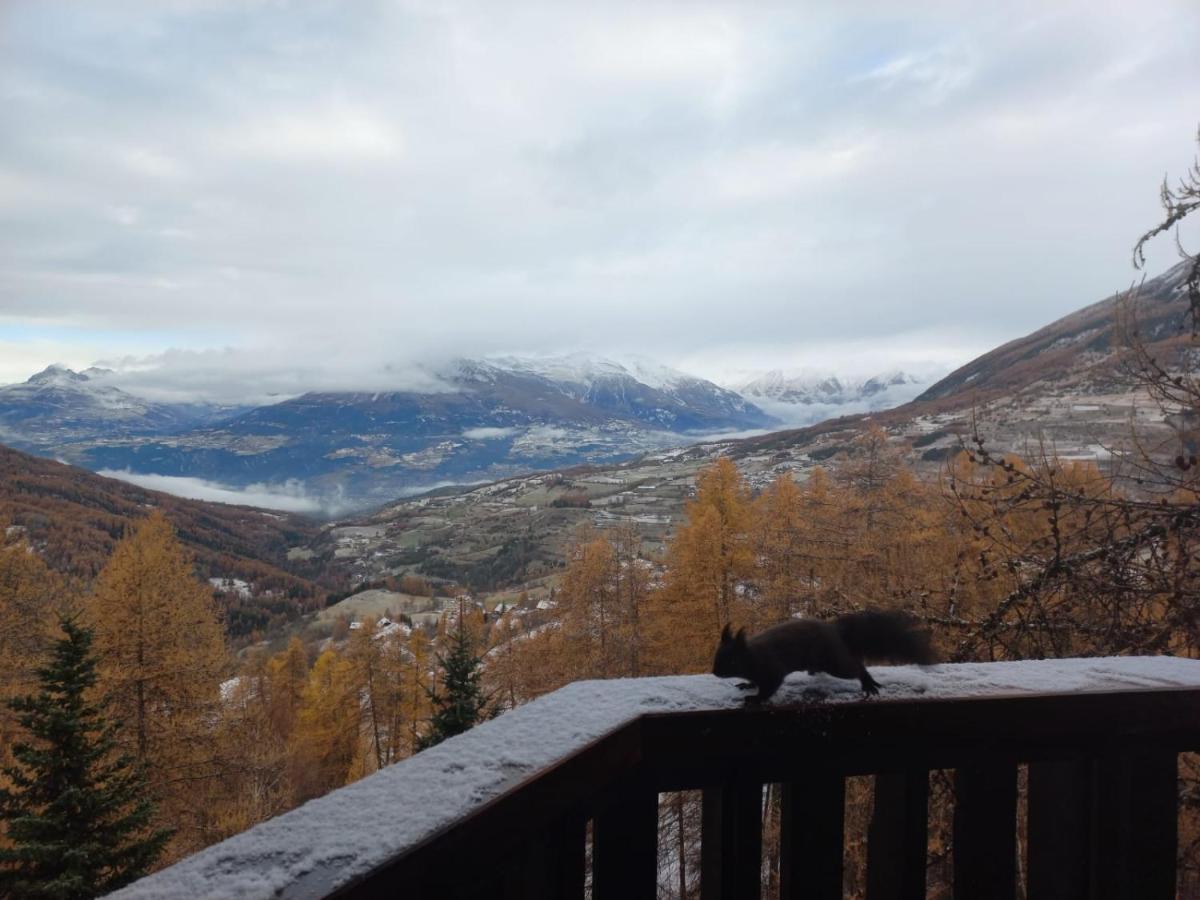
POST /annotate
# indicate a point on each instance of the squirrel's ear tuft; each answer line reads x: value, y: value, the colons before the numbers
x: 725, y: 635
x: 741, y: 636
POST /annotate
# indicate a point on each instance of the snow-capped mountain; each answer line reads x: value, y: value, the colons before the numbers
x: 481, y: 419
x: 57, y: 389
x: 806, y: 388
x: 637, y: 389
x: 59, y: 405
x: 802, y: 398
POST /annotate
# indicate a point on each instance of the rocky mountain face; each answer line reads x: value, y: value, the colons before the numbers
x: 59, y: 406
x: 490, y: 419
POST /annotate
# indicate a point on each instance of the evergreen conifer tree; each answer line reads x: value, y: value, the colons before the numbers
x: 461, y: 703
x: 76, y: 817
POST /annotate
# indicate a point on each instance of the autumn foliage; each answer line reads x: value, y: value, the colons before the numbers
x: 74, y: 519
x: 162, y: 658
x: 1004, y: 558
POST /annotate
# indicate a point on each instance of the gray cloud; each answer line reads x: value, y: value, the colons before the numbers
x: 268, y: 374
x: 329, y: 190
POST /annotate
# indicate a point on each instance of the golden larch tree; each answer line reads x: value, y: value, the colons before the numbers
x: 377, y: 661
x: 634, y: 585
x: 327, y: 744
x: 779, y: 537
x: 162, y: 654
x: 286, y: 676
x: 709, y: 562
x: 254, y: 755
x: 589, y: 607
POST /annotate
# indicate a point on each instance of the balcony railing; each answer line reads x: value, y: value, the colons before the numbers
x: 503, y: 811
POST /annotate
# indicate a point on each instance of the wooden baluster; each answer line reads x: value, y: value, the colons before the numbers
x: 731, y: 842
x: 812, y: 823
x: 1059, y: 830
x: 1135, y: 824
x: 569, y: 859
x: 625, y: 846
x: 985, y: 833
x: 897, y: 840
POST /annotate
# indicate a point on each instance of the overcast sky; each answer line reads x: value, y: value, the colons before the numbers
x: 305, y: 193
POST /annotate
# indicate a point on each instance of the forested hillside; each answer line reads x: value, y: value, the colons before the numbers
x: 74, y: 519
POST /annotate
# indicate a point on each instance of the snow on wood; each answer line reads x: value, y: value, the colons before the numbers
x: 333, y: 839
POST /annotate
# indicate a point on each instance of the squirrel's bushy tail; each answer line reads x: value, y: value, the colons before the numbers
x: 886, y: 634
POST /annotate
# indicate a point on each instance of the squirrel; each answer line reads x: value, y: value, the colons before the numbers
x: 812, y: 645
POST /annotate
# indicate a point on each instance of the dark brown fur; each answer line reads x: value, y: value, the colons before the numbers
x: 810, y: 645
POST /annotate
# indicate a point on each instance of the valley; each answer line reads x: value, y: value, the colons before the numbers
x: 264, y: 572
x: 1064, y: 391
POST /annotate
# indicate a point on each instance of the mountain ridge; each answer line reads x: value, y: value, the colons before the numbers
x: 495, y: 417
x: 1159, y: 303
x: 1062, y: 387
x: 58, y: 405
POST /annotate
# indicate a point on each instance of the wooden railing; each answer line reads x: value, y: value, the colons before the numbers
x: 1101, y: 803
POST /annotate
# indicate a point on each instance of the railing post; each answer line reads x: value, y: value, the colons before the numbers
x: 1135, y: 826
x: 731, y: 841
x: 985, y: 833
x: 811, y: 831
x: 1059, y: 830
x: 625, y: 846
x: 897, y: 840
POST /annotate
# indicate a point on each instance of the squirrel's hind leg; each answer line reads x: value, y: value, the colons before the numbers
x: 844, y: 664
x: 767, y: 686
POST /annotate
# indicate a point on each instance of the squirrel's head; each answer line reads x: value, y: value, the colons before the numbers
x: 732, y: 657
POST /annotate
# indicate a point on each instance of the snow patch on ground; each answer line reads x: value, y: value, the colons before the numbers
x: 489, y: 434
x: 232, y: 586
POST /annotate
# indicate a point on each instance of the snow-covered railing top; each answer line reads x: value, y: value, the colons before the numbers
x: 331, y: 844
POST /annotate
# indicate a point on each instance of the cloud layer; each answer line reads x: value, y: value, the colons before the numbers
x: 289, y: 497
x: 388, y: 181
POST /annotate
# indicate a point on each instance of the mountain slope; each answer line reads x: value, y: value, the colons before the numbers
x: 58, y: 405
x: 1065, y: 387
x: 1082, y: 341
x: 492, y: 418
x: 73, y: 518
x: 641, y: 391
